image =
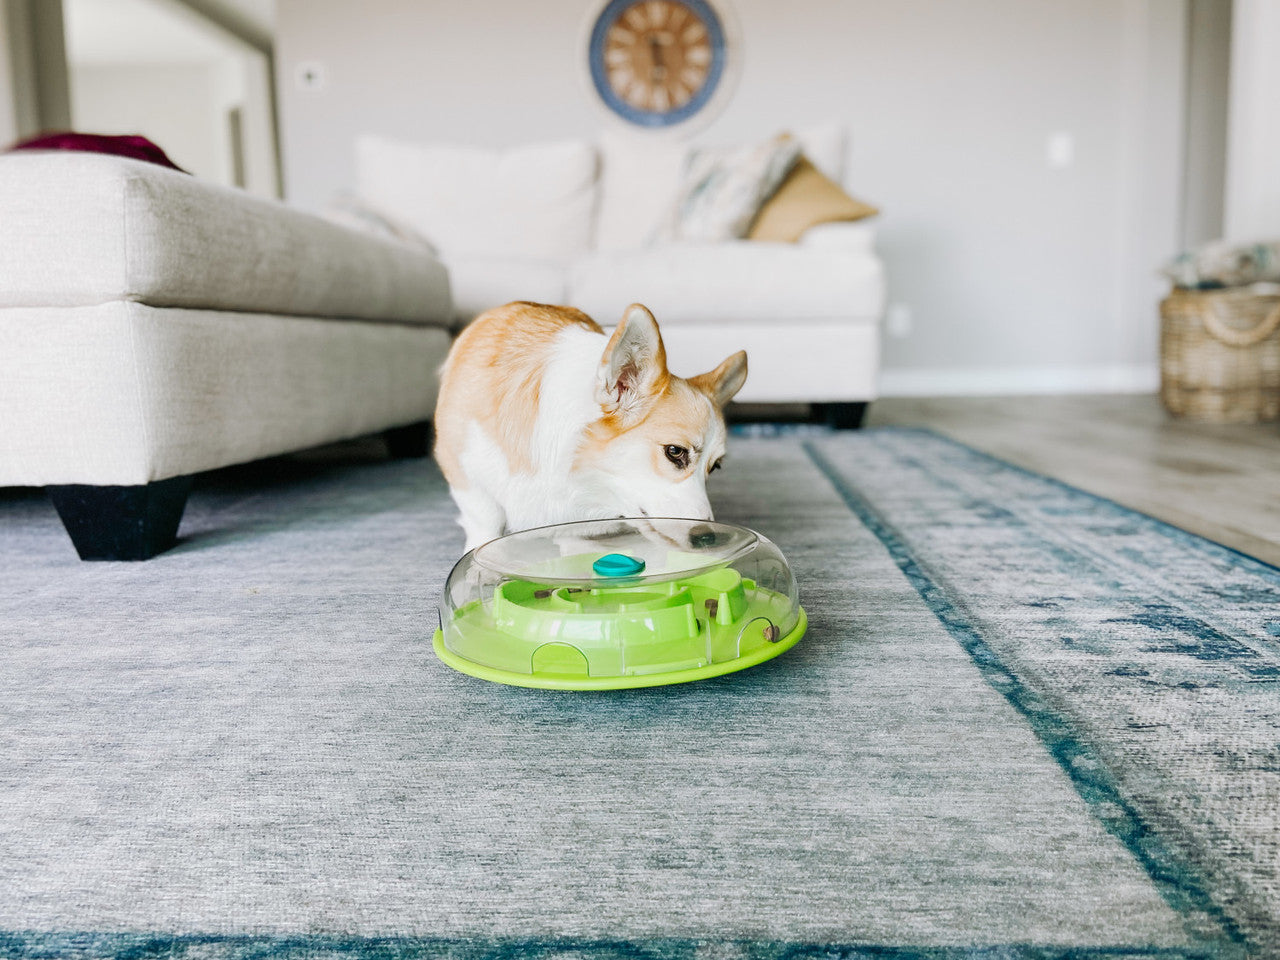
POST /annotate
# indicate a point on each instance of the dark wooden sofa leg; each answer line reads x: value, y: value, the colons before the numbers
x: 411, y: 440
x: 841, y: 416
x: 122, y: 523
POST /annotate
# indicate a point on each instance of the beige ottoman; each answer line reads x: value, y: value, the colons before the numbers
x: 153, y: 326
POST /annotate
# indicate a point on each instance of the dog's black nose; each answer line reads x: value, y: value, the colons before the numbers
x: 701, y: 538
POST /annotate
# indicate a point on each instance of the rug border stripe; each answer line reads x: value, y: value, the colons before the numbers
x: 83, y: 945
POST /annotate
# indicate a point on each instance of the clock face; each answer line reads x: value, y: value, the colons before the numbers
x: 656, y: 63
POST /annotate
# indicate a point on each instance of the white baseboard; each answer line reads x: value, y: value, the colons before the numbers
x: 1004, y: 381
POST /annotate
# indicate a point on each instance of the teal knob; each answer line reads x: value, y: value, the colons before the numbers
x: 618, y: 565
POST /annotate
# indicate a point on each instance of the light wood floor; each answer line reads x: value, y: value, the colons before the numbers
x: 1222, y: 482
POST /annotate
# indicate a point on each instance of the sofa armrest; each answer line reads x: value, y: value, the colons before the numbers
x: 856, y: 237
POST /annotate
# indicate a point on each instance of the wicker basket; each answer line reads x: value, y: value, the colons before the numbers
x: 1220, y: 354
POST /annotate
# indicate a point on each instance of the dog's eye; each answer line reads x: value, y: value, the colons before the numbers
x: 716, y: 466
x: 677, y: 455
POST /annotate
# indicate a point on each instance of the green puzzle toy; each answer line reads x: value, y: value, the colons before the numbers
x: 612, y: 604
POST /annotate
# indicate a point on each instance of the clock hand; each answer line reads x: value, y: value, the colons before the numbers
x: 655, y: 50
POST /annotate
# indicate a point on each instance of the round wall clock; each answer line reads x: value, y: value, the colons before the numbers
x: 658, y: 63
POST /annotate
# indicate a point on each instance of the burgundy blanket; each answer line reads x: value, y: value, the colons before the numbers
x: 132, y: 145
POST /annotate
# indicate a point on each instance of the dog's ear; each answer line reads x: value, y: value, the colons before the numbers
x: 723, y: 383
x: 634, y: 366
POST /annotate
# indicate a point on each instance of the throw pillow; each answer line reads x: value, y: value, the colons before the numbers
x: 806, y: 199
x: 724, y: 189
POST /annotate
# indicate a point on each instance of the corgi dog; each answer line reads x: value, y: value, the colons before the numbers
x: 542, y: 419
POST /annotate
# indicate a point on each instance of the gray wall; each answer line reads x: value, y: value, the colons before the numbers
x: 1007, y: 274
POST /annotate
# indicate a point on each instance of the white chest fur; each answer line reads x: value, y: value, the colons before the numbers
x: 549, y: 492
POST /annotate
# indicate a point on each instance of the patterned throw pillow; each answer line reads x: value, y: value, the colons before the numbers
x: 723, y: 190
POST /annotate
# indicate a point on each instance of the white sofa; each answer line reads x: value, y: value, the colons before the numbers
x: 154, y: 326
x: 582, y: 224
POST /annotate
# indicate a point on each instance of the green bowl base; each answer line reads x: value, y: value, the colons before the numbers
x: 548, y: 679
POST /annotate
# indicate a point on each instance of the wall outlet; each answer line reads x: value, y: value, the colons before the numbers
x: 1060, y: 152
x: 311, y: 76
x: 898, y: 320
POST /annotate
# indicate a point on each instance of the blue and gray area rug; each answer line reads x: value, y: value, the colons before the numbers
x: 1025, y: 722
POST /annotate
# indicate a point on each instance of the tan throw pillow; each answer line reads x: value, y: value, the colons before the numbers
x: 806, y: 198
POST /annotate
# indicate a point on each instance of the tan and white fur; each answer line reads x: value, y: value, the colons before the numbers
x: 544, y: 419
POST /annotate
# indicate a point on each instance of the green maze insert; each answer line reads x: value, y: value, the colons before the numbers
x: 569, y: 633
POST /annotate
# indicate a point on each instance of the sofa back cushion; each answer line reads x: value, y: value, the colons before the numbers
x: 534, y: 202
x: 640, y: 184
x: 825, y: 144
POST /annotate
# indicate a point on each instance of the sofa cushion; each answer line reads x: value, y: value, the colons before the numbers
x: 85, y: 228
x: 741, y: 280
x: 640, y: 182
x: 852, y: 239
x: 801, y: 361
x: 124, y: 393
x: 532, y: 202
x: 481, y: 283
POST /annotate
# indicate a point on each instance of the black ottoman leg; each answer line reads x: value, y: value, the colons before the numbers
x: 122, y: 523
x: 411, y: 440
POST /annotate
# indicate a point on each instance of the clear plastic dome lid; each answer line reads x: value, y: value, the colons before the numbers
x: 618, y: 603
